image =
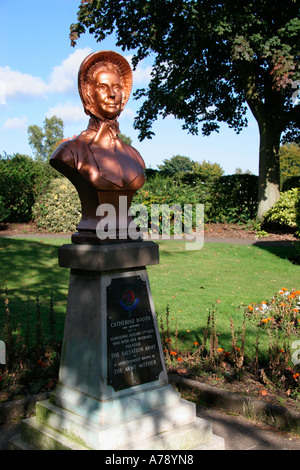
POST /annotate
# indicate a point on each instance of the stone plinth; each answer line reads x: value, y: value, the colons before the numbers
x: 113, y: 391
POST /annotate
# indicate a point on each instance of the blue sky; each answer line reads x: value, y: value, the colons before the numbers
x: 38, y: 78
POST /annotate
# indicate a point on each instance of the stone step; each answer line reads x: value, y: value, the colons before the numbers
x: 116, y: 435
x: 196, y: 435
x: 34, y: 434
x: 189, y: 437
x: 18, y: 443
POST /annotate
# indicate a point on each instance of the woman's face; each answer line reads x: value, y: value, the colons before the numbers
x: 107, y: 94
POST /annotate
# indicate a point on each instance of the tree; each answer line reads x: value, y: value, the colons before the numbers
x: 208, y: 171
x: 176, y: 164
x: 239, y: 171
x: 44, y: 140
x: 289, y: 161
x: 211, y: 60
x: 127, y: 140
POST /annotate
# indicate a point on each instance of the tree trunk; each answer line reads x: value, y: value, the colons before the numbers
x: 269, y: 168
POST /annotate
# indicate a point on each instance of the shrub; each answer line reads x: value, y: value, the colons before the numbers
x: 58, y: 208
x: 283, y: 214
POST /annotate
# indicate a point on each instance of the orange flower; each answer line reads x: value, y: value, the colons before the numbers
x: 220, y: 349
x: 295, y: 376
x: 179, y: 359
x: 250, y: 308
x: 196, y: 343
x: 173, y: 353
x: 282, y: 304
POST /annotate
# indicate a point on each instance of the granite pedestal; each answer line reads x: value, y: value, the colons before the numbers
x: 113, y: 391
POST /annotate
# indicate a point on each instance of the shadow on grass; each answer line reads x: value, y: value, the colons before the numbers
x: 288, y: 250
x: 29, y: 268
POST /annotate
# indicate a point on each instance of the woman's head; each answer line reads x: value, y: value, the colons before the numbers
x: 104, y: 82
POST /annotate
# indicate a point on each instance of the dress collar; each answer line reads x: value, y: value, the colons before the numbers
x: 111, y: 124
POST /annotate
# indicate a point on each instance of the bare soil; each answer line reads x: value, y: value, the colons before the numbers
x: 248, y: 385
x: 30, y: 228
x: 243, y: 232
x: 217, y: 230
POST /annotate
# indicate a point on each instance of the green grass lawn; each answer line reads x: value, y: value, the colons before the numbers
x: 220, y: 277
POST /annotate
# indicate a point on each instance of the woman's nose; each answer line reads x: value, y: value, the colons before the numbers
x: 111, y: 93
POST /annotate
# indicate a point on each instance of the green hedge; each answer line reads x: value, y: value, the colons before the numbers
x: 233, y: 198
x: 290, y: 183
x: 297, y: 209
x: 4, y: 212
x: 228, y: 199
x: 21, y: 180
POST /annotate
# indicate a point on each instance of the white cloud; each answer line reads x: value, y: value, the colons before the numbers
x: 63, y: 78
x: 16, y: 83
x: 127, y: 113
x: 16, y: 123
x: 141, y: 74
x: 68, y: 112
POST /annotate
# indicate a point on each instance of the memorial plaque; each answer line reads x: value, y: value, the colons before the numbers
x: 133, y: 356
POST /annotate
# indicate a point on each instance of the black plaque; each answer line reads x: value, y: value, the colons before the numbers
x: 133, y: 356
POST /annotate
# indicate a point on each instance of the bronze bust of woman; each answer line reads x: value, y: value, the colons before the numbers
x: 100, y: 165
